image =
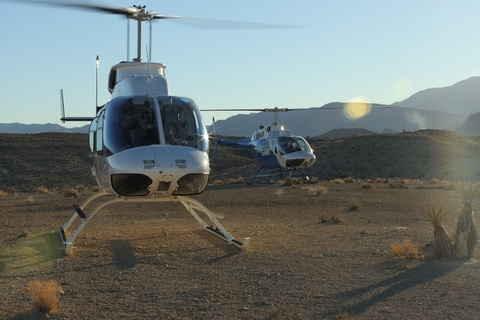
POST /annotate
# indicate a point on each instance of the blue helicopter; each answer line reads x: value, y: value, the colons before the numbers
x: 274, y: 148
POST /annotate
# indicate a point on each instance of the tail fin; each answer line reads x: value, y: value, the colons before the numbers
x: 63, y: 118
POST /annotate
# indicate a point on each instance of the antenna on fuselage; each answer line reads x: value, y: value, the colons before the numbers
x: 97, y: 62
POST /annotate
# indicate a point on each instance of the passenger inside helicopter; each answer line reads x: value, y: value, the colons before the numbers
x: 293, y: 144
x: 130, y: 122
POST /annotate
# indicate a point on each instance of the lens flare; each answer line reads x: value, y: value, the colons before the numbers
x: 357, y: 107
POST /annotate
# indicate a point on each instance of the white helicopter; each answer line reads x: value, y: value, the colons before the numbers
x: 147, y: 146
x: 274, y: 148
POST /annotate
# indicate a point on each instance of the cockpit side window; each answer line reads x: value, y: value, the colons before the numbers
x: 182, y: 123
x: 130, y: 122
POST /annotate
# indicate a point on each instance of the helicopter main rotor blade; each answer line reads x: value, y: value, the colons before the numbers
x: 139, y: 13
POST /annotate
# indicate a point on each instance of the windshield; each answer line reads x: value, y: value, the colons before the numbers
x: 293, y: 144
x: 130, y: 122
x: 182, y: 123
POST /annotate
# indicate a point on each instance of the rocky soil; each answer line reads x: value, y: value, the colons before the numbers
x: 153, y: 261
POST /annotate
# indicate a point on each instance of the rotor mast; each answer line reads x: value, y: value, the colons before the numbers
x: 140, y: 15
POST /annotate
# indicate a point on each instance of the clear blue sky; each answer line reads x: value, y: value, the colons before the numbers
x: 382, y: 50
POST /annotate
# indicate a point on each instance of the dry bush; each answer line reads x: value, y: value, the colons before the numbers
x: 337, y: 218
x: 367, y: 186
x: 217, y: 183
x: 238, y: 180
x: 434, y: 181
x: 316, y: 190
x: 380, y: 180
x: 398, y: 185
x: 30, y: 199
x: 349, y: 180
x: 339, y: 181
x: 3, y: 194
x: 289, y: 181
x: 80, y: 188
x: 404, y: 250
x: 280, y: 192
x: 70, y: 193
x: 43, y: 190
x: 44, y: 295
x: 96, y: 189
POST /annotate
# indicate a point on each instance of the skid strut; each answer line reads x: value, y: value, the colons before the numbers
x: 193, y: 206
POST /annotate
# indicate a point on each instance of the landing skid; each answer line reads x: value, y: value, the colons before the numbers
x: 190, y: 204
x: 291, y: 173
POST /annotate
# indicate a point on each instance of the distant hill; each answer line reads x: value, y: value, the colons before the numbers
x: 39, y: 128
x: 471, y: 127
x: 315, y: 122
x: 462, y: 98
x: 343, y: 132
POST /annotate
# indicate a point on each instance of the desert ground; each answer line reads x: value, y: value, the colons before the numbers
x: 153, y: 261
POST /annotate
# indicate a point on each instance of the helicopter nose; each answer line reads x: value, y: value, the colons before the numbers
x: 299, y: 159
x: 153, y: 170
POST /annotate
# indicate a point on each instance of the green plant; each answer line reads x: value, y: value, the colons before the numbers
x: 468, y: 192
x: 442, y: 245
x: 434, y: 216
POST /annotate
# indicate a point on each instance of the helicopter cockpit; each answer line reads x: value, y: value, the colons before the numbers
x: 293, y: 144
x: 145, y: 120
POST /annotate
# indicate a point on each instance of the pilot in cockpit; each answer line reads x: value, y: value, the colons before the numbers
x: 133, y: 132
x: 172, y: 135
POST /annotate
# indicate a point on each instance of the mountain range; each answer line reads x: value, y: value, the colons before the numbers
x: 436, y: 108
x: 39, y: 128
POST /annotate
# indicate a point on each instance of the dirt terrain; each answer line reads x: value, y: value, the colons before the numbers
x: 144, y: 261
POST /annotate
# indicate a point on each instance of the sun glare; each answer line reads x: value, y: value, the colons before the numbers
x: 357, y: 107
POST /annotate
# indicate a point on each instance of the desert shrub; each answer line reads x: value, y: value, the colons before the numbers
x: 337, y: 218
x: 398, y: 185
x: 70, y: 193
x: 3, y: 194
x: 43, y: 190
x: 367, y: 186
x: 289, y: 181
x: 280, y: 192
x: 80, y: 188
x: 434, y: 181
x: 217, y: 183
x: 96, y: 189
x: 237, y: 180
x: 404, y: 250
x: 349, y: 180
x: 339, y: 181
x: 442, y: 245
x: 44, y: 295
x: 316, y: 190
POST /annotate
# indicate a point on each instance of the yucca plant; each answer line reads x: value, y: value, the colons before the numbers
x: 466, y: 235
x: 442, y: 245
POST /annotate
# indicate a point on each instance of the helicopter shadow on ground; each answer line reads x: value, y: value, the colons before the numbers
x: 403, y: 281
x: 123, y: 255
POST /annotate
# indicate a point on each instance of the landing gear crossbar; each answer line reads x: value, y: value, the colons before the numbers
x: 192, y: 206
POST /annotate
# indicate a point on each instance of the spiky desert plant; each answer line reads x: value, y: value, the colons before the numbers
x: 442, y: 245
x: 44, y: 295
x: 466, y: 236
